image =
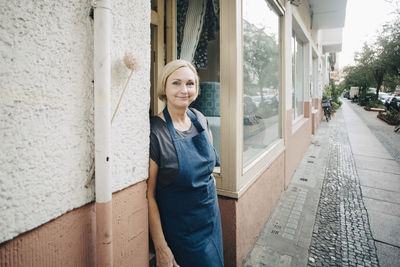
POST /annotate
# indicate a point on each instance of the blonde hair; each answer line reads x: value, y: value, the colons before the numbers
x: 168, y: 70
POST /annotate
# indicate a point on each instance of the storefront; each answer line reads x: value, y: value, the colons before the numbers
x: 262, y: 67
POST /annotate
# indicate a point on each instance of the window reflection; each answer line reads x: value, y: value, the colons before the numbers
x: 297, y: 77
x: 261, y: 72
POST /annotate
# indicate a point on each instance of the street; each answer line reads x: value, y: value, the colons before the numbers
x: 342, y: 206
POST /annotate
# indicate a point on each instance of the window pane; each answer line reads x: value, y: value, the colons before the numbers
x: 314, y: 81
x: 297, y: 77
x: 299, y: 84
x: 261, y: 72
x: 198, y: 42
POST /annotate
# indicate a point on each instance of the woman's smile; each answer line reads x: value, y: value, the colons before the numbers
x: 180, y: 87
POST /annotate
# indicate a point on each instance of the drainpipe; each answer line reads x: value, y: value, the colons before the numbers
x: 102, y: 77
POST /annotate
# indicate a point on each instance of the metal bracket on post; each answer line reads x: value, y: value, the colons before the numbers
x: 101, y: 3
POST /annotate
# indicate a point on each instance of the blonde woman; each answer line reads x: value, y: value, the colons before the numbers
x: 184, y: 216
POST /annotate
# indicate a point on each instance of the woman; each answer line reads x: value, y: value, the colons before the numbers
x: 184, y: 216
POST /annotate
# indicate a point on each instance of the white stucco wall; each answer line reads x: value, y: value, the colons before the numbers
x: 46, y: 107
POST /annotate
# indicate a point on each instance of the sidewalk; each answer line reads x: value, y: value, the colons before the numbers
x: 342, y: 207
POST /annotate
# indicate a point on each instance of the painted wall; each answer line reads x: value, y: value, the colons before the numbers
x: 46, y: 107
x: 243, y: 219
x: 304, y: 11
x: 298, y: 138
x: 70, y: 239
x: 312, y: 38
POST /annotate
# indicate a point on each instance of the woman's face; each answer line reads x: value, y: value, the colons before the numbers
x: 180, y: 88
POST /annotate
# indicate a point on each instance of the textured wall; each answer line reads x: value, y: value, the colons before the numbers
x: 70, y: 239
x: 46, y: 107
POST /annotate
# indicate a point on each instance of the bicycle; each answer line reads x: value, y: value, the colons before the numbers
x: 326, y: 105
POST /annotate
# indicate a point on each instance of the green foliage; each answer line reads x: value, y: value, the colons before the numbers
x: 371, y: 96
x: 357, y: 76
x: 335, y: 105
x: 261, y: 59
x: 375, y: 104
x: 391, y: 81
x: 392, y: 117
x: 378, y: 63
x: 326, y: 94
x: 332, y: 91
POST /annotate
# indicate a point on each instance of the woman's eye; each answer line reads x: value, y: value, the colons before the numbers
x: 175, y: 83
x: 190, y: 83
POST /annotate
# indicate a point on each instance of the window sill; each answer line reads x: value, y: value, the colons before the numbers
x: 260, y: 165
x: 254, y: 170
x: 298, y: 123
x: 299, y: 118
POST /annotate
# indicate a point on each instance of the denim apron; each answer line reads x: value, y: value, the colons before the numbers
x: 189, y: 209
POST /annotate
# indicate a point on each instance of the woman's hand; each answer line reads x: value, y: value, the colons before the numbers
x: 165, y: 258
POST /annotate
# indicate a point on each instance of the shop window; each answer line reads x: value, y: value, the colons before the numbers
x: 297, y: 77
x: 229, y: 75
x: 261, y: 78
x: 197, y: 34
x: 314, y: 81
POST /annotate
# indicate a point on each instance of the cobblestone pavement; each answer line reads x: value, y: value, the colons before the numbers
x: 341, y: 234
x: 382, y: 131
x: 285, y: 238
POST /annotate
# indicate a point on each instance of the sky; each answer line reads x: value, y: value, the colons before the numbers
x: 364, y: 18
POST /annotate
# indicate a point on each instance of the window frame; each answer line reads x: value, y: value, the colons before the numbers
x: 314, y: 79
x: 234, y: 179
x: 297, y: 40
x: 157, y: 53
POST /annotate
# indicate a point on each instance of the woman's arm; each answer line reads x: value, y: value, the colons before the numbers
x: 211, y: 137
x: 164, y: 256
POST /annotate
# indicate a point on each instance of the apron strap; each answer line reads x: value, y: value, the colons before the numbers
x: 170, y: 125
x: 194, y: 120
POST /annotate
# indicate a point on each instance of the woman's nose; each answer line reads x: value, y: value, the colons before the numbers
x: 184, y: 88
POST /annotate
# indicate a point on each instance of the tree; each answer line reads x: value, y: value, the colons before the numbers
x: 379, y: 72
x: 378, y: 63
x: 388, y: 43
x: 261, y: 59
x: 365, y: 66
x: 361, y: 74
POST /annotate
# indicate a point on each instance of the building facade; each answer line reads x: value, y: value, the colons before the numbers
x: 262, y: 66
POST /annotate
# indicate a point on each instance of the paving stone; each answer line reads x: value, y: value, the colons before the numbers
x: 388, y: 255
x: 292, y: 225
x: 340, y: 211
x: 341, y: 231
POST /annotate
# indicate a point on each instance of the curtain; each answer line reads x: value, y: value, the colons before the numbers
x: 197, y: 23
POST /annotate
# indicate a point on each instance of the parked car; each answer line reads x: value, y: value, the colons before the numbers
x: 383, y: 97
x: 393, y: 103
